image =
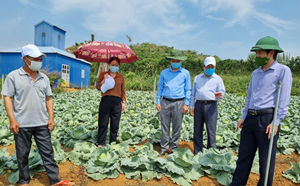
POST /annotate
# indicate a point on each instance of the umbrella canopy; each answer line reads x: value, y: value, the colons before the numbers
x: 101, y: 51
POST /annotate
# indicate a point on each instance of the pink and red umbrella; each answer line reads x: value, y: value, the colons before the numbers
x: 101, y: 51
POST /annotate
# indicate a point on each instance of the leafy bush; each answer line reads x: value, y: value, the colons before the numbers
x: 81, y: 153
x: 4, y: 157
x: 35, y: 164
x: 52, y: 75
x: 182, y: 167
x: 103, y: 163
x: 293, y: 173
x: 219, y: 166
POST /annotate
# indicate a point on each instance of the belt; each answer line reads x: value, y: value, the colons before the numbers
x: 205, y: 101
x: 173, y: 100
x: 106, y: 96
x: 259, y: 112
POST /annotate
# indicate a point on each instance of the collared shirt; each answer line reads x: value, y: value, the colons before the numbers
x: 174, y: 85
x: 119, y: 88
x: 204, y: 88
x: 29, y: 98
x: 262, y: 90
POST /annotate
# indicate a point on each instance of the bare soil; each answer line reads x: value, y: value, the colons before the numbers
x: 71, y: 172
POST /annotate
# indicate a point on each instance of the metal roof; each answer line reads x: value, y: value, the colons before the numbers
x: 48, y: 24
x: 47, y: 50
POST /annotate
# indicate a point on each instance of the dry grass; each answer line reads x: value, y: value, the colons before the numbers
x: 287, y: 160
x: 49, y: 73
x: 80, y: 173
x: 139, y: 183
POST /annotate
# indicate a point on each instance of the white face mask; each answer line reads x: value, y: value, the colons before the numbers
x: 35, y: 65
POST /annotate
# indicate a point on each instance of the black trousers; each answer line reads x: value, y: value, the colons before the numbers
x: 253, y: 136
x: 110, y: 108
x: 23, y: 143
x: 207, y: 113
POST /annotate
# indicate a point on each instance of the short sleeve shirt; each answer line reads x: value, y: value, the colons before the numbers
x: 29, y: 98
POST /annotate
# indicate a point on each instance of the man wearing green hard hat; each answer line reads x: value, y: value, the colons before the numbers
x: 257, y: 118
x: 172, y: 99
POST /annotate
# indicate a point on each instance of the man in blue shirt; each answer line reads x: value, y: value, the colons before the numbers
x: 257, y: 118
x: 208, y: 87
x: 174, y: 87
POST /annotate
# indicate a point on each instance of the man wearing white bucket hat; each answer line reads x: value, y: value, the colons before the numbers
x: 207, y: 89
x: 29, y: 106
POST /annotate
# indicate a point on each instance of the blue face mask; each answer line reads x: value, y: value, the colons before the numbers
x: 209, y: 71
x: 175, y: 65
x: 113, y: 69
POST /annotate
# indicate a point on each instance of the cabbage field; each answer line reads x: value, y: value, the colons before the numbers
x: 76, y: 116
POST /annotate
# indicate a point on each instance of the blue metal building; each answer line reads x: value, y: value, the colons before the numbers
x: 50, y: 39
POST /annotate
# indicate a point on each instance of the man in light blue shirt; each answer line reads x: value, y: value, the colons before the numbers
x: 257, y: 118
x: 207, y: 89
x: 173, y: 97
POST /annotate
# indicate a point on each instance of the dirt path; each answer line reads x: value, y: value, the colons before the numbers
x: 71, y: 172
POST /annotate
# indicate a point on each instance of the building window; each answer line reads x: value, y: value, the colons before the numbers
x: 58, y: 37
x: 65, y: 69
x: 43, y: 34
x: 82, y: 73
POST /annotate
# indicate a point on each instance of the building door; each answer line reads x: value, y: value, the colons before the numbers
x: 65, y: 74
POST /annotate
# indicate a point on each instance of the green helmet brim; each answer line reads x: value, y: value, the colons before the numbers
x: 181, y: 58
x: 266, y: 47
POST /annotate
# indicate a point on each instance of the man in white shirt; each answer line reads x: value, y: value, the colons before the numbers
x: 207, y: 89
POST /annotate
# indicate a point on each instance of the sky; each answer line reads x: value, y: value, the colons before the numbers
x: 226, y: 28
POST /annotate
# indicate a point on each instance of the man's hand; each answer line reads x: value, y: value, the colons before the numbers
x: 192, y: 112
x: 158, y: 107
x: 123, y: 107
x: 14, y: 127
x: 185, y: 108
x: 240, y: 124
x: 269, y: 130
x: 218, y: 95
x: 51, y: 125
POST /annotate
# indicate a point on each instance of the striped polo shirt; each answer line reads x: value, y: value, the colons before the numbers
x: 29, y: 98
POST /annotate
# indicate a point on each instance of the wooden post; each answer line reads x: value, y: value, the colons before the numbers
x: 103, y: 67
x: 2, y: 85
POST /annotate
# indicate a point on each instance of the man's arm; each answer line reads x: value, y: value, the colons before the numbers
x: 160, y: 87
x: 284, y: 100
x: 249, y: 94
x: 187, y: 89
x: 193, y: 95
x: 285, y: 93
x: 49, y: 105
x: 14, y: 125
x: 187, y: 93
x: 220, y: 90
x: 240, y: 123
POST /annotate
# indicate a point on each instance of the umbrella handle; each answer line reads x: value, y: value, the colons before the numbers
x: 272, y: 134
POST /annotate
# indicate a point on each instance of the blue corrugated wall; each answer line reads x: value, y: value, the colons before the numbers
x: 10, y: 62
x: 13, y: 61
x: 40, y: 40
x: 51, y: 38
